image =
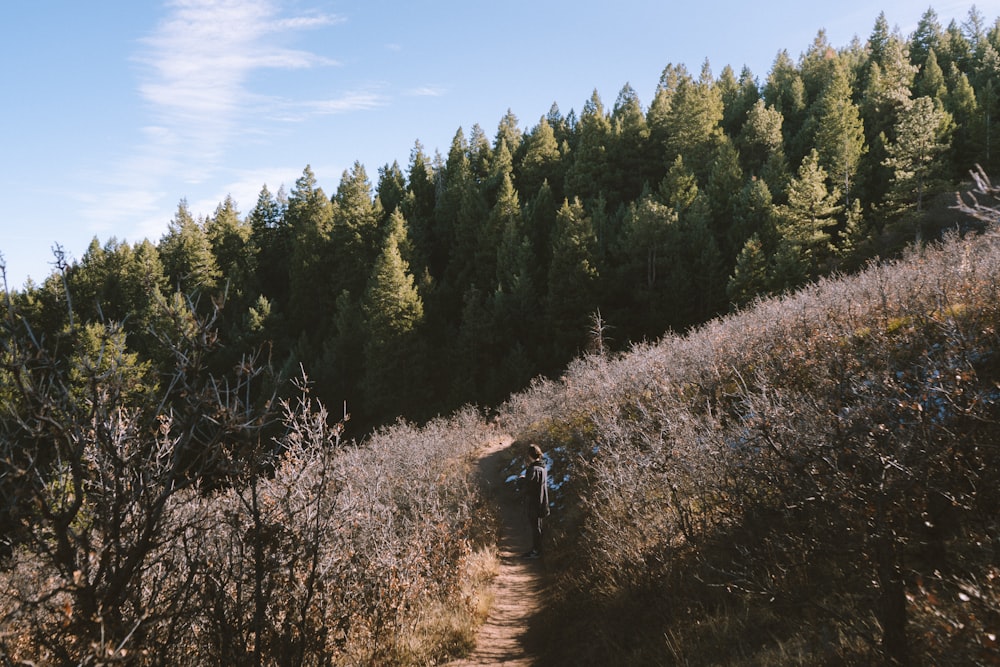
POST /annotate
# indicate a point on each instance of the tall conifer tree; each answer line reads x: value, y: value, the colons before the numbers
x: 586, y: 177
x: 393, y: 315
x: 786, y: 92
x: 310, y: 222
x: 921, y: 137
x: 805, y: 224
x: 354, y: 232
x: 572, y: 283
x: 232, y: 245
x: 541, y: 161
x: 694, y: 122
x: 187, y: 254
x: 270, y: 238
x: 839, y: 135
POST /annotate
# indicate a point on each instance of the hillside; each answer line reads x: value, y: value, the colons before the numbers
x: 813, y: 480
x: 227, y: 447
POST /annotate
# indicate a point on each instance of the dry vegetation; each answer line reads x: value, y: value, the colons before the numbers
x: 815, y: 480
x: 201, y: 527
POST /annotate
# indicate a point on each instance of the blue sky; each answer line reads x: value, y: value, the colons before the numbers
x: 114, y: 111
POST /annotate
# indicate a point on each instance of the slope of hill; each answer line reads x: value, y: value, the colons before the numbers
x: 814, y: 480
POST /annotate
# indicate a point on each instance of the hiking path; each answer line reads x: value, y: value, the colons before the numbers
x: 504, y: 638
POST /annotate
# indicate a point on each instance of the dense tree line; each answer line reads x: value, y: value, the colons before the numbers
x: 468, y: 274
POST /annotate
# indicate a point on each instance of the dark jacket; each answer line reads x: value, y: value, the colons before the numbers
x: 537, y: 489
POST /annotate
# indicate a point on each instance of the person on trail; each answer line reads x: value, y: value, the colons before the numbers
x: 536, y: 488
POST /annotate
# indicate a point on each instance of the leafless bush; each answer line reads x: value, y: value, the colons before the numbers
x: 823, y: 463
x: 987, y: 210
x: 206, y: 522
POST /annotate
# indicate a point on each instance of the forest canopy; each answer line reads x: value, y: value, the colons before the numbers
x: 461, y: 277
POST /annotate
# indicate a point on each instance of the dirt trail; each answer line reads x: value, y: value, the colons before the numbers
x: 503, y: 639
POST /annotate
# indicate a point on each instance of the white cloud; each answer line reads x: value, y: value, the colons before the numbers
x: 196, y: 75
x: 197, y: 63
x: 353, y: 101
x: 427, y: 91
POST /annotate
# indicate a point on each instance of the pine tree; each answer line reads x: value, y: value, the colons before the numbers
x: 738, y: 97
x: 649, y: 253
x: 586, y: 177
x: 354, y: 232
x: 926, y: 38
x: 480, y: 155
x: 750, y: 276
x: 722, y: 192
x: 540, y: 216
x: 269, y: 235
x: 961, y: 103
x: 889, y: 84
x: 515, y: 254
x: 986, y: 82
x: 561, y: 126
x: 921, y: 137
x: 572, y: 282
x: 393, y: 314
x: 418, y: 209
x: 501, y: 166
x: 187, y: 255
x: 816, y: 67
x: 508, y: 132
x: 839, y: 137
x: 391, y: 188
x: 694, y: 122
x: 805, y: 223
x: 974, y: 30
x: 761, y: 138
x: 459, y: 215
x: 502, y: 239
x: 887, y: 92
x: 631, y: 161
x: 785, y: 92
x: 753, y: 216
x: 231, y: 240
x: 930, y: 80
x: 679, y: 187
x: 659, y: 110
x: 852, y: 245
x: 119, y: 283
x: 956, y: 48
x: 473, y: 350
x: 878, y: 41
x: 310, y: 223
x: 699, y: 281
x: 542, y: 160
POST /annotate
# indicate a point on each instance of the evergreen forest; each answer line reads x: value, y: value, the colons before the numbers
x: 462, y: 277
x: 749, y: 321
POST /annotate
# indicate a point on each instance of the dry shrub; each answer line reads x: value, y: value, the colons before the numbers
x: 811, y: 481
x: 187, y: 535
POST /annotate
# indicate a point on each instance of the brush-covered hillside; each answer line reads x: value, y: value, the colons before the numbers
x: 226, y: 448
x: 814, y: 480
